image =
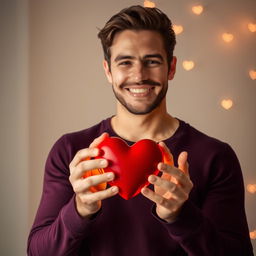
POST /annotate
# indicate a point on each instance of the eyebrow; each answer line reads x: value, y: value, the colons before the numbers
x: 122, y: 57
x: 158, y: 56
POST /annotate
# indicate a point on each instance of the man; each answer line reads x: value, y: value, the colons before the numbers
x: 195, y: 209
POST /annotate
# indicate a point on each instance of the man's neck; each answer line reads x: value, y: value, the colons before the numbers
x: 157, y: 125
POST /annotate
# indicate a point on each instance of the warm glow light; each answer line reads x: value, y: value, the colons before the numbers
x: 252, y: 74
x: 177, y: 29
x: 149, y: 4
x: 227, y: 37
x: 197, y: 9
x: 252, y: 27
x: 227, y: 103
x: 188, y: 64
x: 253, y: 234
x: 251, y: 188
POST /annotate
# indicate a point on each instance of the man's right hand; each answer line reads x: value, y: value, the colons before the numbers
x: 87, y: 202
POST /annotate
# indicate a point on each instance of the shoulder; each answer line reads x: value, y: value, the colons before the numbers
x: 212, y: 162
x: 204, y: 149
x: 68, y: 144
x: 208, y: 153
x: 84, y: 137
x: 201, y: 142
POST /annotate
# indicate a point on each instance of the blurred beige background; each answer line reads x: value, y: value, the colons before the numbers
x: 52, y: 82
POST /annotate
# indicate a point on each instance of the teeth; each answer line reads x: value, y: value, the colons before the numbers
x: 139, y: 90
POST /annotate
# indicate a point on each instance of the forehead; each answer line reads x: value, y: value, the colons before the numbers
x: 137, y: 42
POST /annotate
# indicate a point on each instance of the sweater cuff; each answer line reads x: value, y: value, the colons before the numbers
x: 188, y: 221
x: 76, y: 224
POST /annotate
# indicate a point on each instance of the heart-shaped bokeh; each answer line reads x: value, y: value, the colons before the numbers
x: 252, y: 27
x: 188, y: 64
x: 227, y: 104
x: 252, y: 74
x: 198, y: 9
x: 131, y: 165
x: 227, y: 37
x: 177, y: 29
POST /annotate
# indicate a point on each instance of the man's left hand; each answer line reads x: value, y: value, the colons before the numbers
x: 172, y: 189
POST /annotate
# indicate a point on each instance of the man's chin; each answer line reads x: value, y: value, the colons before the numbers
x: 142, y: 111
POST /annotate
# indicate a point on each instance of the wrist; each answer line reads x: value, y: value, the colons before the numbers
x: 171, y: 218
x: 82, y: 211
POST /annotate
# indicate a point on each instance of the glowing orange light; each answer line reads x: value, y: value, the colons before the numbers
x: 149, y: 4
x: 188, y: 64
x: 252, y: 74
x: 252, y: 27
x: 227, y: 37
x: 177, y: 29
x: 227, y: 103
x: 251, y: 188
x: 253, y: 234
x: 197, y: 9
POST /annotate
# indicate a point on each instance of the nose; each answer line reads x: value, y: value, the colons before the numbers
x: 139, y: 73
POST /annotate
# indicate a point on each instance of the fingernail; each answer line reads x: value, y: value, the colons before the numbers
x: 163, y: 166
x: 152, y: 178
x: 114, y: 189
x: 103, y: 162
x: 144, y: 190
x: 110, y: 176
x: 96, y: 151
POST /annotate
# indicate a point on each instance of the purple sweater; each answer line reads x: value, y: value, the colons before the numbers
x: 211, y: 222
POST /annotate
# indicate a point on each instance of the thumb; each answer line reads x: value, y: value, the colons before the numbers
x: 183, y: 162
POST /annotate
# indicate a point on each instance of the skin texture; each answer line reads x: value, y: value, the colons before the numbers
x: 137, y: 63
x: 139, y: 77
x: 87, y: 202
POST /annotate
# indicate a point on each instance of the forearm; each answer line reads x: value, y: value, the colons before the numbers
x: 61, y: 237
x: 198, y: 235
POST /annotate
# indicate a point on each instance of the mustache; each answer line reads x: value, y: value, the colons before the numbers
x: 142, y: 82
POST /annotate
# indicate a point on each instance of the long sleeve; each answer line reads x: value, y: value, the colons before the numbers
x: 216, y: 226
x: 58, y: 229
x: 211, y: 222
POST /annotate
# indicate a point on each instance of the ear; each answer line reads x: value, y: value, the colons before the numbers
x: 107, y: 71
x: 172, y: 68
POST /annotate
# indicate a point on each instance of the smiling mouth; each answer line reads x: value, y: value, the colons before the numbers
x: 140, y: 92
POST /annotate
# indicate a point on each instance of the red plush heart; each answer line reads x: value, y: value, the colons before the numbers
x: 131, y: 165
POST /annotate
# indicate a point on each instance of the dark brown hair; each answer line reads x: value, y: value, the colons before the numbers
x: 138, y: 18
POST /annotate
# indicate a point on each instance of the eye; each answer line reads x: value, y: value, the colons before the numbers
x: 152, y: 62
x: 124, y: 63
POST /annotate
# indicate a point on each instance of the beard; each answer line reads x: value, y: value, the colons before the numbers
x: 152, y: 106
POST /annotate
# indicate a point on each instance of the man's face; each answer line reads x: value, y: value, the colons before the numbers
x: 139, y: 70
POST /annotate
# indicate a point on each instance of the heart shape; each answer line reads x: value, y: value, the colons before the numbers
x: 251, y: 188
x: 131, y: 165
x: 198, y: 9
x: 227, y: 37
x: 252, y: 27
x: 252, y: 74
x: 149, y: 4
x: 227, y: 104
x: 177, y: 29
x: 188, y: 64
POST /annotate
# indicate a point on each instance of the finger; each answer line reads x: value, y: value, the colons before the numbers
x: 83, y: 185
x: 167, y: 203
x: 179, y: 176
x: 83, y: 154
x: 168, y: 157
x: 92, y: 198
x: 182, y: 162
x: 172, y: 189
x: 98, y: 140
x: 80, y: 170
